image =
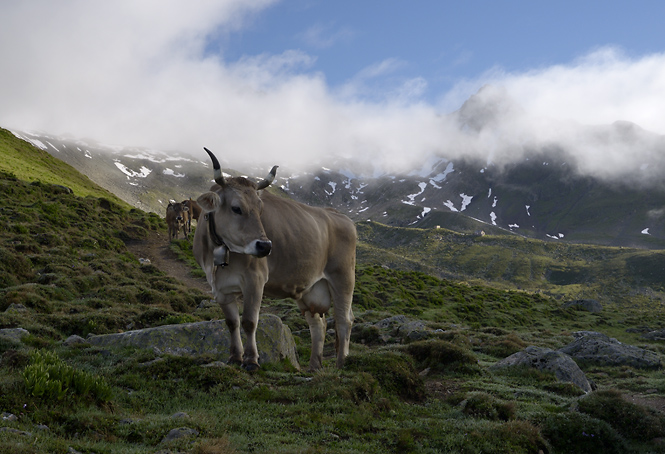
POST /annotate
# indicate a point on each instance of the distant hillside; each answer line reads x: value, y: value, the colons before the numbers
x: 29, y: 163
x: 561, y: 270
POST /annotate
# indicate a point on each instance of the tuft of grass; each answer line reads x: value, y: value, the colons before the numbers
x: 394, y: 371
x: 443, y: 357
x: 486, y: 406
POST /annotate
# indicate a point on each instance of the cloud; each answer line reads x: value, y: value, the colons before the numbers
x: 323, y: 36
x: 153, y: 74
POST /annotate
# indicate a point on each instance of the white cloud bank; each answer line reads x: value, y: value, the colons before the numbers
x: 146, y: 74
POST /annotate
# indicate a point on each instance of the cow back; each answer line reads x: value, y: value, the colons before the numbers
x: 308, y: 243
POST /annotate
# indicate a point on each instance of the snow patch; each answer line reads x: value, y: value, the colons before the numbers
x: 646, y: 231
x: 450, y: 205
x: 466, y: 200
x: 442, y: 176
x: 412, y: 197
x: 172, y: 173
x: 333, y: 185
x: 144, y: 172
x: 527, y: 209
x: 493, y: 217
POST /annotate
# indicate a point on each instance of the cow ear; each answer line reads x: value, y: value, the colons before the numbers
x: 209, y: 201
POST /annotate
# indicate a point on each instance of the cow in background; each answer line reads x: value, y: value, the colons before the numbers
x: 175, y: 219
x: 193, y: 213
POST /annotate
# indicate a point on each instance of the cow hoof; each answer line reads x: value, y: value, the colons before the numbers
x: 234, y: 361
x: 251, y: 367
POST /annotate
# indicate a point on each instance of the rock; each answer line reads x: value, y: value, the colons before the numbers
x: 16, y: 308
x: 15, y: 431
x: 639, y: 329
x: 598, y: 348
x: 74, y: 340
x: 588, y: 305
x: 180, y: 432
x: 9, y: 417
x: 274, y: 339
x: 657, y: 335
x: 393, y: 329
x: 565, y: 369
x: 14, y: 334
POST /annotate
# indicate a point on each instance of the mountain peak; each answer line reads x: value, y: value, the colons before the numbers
x: 485, y: 108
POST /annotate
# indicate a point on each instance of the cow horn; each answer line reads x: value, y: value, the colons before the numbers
x: 269, y: 179
x: 219, y: 178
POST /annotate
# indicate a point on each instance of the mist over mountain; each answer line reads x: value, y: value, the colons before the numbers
x: 497, y: 170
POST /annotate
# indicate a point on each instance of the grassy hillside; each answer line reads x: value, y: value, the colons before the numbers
x: 28, y: 163
x: 65, y: 270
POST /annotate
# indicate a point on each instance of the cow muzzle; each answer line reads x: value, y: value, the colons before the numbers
x: 262, y: 248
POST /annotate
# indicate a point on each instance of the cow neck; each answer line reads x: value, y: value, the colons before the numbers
x: 213, y: 230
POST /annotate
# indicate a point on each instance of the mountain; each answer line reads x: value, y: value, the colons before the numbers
x: 558, y: 186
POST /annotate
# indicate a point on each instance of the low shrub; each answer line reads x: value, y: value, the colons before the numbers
x: 50, y: 378
x: 630, y: 420
x: 582, y: 434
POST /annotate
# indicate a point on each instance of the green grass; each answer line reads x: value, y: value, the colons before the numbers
x: 65, y: 270
x: 28, y: 163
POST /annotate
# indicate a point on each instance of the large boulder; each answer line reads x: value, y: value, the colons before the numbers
x: 274, y: 339
x: 598, y: 348
x: 564, y: 368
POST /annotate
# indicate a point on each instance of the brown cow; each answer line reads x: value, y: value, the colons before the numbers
x: 193, y: 213
x: 253, y: 242
x: 175, y: 219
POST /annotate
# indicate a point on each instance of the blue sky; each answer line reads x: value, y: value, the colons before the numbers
x: 444, y: 42
x: 297, y: 81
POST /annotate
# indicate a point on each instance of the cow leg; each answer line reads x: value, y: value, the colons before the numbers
x: 317, y: 330
x: 230, y: 308
x: 250, y: 321
x: 342, y: 294
x: 315, y: 304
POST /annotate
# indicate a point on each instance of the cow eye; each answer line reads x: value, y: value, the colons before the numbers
x: 236, y: 210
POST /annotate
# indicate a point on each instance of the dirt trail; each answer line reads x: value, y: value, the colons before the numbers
x: 156, y: 249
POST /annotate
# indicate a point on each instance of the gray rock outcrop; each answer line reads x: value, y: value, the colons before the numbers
x: 564, y: 368
x: 274, y: 339
x: 14, y: 334
x: 598, y: 348
x: 657, y: 335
